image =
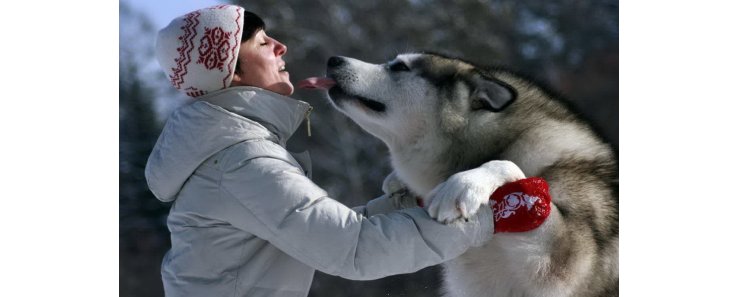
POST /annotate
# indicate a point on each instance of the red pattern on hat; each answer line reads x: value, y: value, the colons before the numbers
x: 200, y: 49
x: 213, y: 48
x: 194, y: 92
x: 191, y: 21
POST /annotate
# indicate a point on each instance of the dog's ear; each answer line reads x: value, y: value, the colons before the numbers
x: 491, y: 94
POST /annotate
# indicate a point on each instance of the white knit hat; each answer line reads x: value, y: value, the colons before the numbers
x: 198, y: 50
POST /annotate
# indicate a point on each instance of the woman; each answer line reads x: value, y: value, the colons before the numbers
x: 247, y: 220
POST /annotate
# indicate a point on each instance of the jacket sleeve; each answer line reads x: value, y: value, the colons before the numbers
x: 284, y: 207
x: 394, y: 198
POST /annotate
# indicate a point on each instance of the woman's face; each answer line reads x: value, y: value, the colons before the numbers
x: 262, y: 65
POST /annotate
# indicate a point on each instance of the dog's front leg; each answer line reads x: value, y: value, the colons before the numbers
x: 460, y: 196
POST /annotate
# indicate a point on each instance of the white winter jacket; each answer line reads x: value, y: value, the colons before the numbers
x: 247, y: 221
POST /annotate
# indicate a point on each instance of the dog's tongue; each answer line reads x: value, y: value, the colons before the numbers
x: 316, y: 83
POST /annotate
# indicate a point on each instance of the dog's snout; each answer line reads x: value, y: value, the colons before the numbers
x: 335, y: 61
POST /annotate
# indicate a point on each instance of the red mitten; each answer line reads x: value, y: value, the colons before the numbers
x: 520, y: 206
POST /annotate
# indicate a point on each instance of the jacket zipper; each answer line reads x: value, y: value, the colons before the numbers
x: 308, y: 119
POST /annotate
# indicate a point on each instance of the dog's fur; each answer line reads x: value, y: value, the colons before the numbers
x: 440, y: 115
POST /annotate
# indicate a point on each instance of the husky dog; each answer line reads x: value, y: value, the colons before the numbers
x: 440, y: 116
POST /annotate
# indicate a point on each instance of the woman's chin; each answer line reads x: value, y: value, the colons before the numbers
x: 282, y: 88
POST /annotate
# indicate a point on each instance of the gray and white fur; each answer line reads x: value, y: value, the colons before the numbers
x: 440, y: 116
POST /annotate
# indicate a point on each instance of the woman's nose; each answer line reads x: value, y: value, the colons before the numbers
x: 280, y: 49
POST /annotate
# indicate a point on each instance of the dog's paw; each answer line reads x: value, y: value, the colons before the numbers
x: 392, y: 184
x: 457, y: 198
x: 463, y: 193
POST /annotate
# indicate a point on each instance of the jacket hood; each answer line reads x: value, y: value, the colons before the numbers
x: 195, y: 132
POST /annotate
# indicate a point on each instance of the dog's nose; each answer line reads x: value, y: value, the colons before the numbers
x: 335, y: 61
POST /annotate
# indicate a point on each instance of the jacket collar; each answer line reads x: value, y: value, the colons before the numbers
x: 279, y: 114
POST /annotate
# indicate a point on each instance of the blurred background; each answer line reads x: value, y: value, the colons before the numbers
x: 570, y: 45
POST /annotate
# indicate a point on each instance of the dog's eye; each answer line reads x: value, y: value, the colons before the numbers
x: 398, y: 66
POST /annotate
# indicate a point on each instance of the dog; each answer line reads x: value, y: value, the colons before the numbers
x: 441, y: 116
